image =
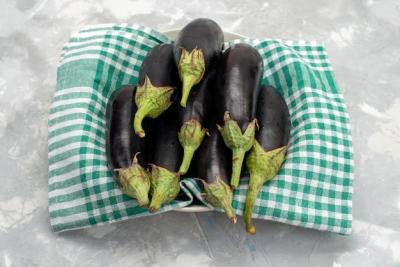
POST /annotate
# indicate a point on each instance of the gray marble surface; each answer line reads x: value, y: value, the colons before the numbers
x: 363, y: 41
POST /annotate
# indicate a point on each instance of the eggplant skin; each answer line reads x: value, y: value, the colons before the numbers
x: 122, y: 143
x: 239, y: 77
x: 166, y: 150
x: 159, y: 66
x: 213, y: 158
x: 273, y: 119
x: 201, y: 33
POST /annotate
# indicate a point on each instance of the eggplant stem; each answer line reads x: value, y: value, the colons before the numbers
x: 135, y: 160
x: 237, y: 162
x: 190, y: 137
x: 187, y: 83
x: 255, y: 185
x: 191, y: 70
x: 139, y: 116
x: 188, y: 153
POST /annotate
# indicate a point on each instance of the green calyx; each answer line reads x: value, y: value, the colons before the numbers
x: 191, y: 69
x: 238, y: 142
x: 151, y: 102
x: 190, y: 136
x: 164, y: 186
x: 220, y: 195
x: 263, y: 166
x: 135, y: 182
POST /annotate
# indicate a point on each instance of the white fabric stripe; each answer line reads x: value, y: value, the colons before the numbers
x: 122, y: 57
x: 74, y: 159
x: 76, y: 122
x: 70, y: 111
x: 89, y: 90
x: 287, y: 61
x: 69, y: 219
x: 286, y: 52
x: 100, y: 26
x: 75, y: 145
x: 128, y: 71
x: 309, y: 91
x: 79, y: 133
x: 75, y: 100
x: 110, y: 35
x: 67, y: 204
x: 74, y: 173
x: 80, y: 57
x: 96, y: 124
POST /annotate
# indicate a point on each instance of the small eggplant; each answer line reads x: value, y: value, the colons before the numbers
x: 268, y: 153
x: 158, y: 77
x: 213, y: 166
x: 166, y: 156
x: 123, y: 147
x: 197, y: 46
x: 238, y: 81
x: 194, y: 117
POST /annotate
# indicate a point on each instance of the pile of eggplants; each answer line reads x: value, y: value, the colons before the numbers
x: 197, y: 111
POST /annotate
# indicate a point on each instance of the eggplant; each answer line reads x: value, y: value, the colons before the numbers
x: 197, y: 47
x: 158, y: 78
x: 165, y: 157
x: 194, y: 117
x: 238, y: 81
x: 125, y: 150
x: 213, y: 166
x: 268, y: 153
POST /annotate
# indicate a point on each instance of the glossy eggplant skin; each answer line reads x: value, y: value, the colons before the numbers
x: 158, y: 79
x: 213, y: 158
x: 273, y: 119
x: 197, y: 47
x: 125, y: 150
x: 213, y: 165
x: 122, y: 143
x: 201, y: 33
x: 269, y: 150
x: 239, y: 76
x: 159, y: 66
x: 238, y: 81
x: 194, y: 117
x: 167, y: 152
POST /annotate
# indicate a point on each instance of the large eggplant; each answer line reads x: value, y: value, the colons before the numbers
x: 165, y: 157
x: 158, y: 77
x: 197, y: 46
x: 238, y: 81
x: 125, y: 150
x: 194, y: 117
x: 268, y: 153
x: 213, y: 165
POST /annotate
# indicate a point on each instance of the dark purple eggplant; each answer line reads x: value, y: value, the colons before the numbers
x: 125, y: 150
x: 197, y: 47
x: 213, y: 165
x: 158, y: 77
x: 268, y: 153
x: 166, y: 155
x: 194, y: 117
x: 238, y: 81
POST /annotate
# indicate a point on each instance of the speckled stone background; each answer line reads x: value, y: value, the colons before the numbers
x: 363, y: 41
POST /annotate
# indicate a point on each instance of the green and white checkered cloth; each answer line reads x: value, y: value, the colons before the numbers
x: 313, y: 188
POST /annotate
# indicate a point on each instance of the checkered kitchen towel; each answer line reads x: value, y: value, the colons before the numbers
x: 313, y: 189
